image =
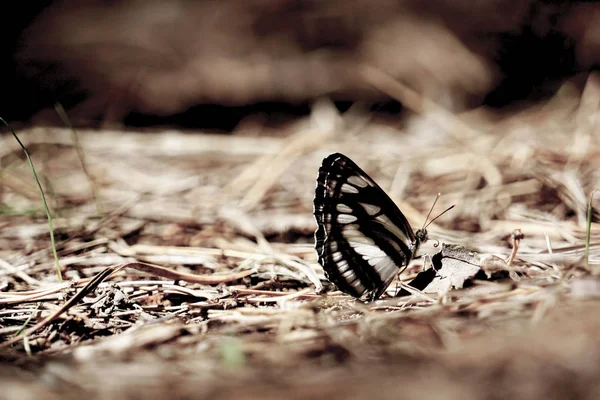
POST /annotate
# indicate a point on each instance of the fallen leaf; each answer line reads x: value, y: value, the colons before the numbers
x: 454, y: 265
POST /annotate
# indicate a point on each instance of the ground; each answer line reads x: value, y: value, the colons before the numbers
x: 189, y: 268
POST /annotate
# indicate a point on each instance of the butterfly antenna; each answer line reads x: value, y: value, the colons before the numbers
x: 439, y: 215
x: 425, y: 224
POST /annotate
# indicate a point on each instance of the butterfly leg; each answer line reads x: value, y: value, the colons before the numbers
x: 398, y: 281
x: 373, y: 296
x: 427, y: 260
x: 397, y: 290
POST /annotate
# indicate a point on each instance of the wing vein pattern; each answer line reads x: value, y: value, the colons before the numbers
x: 362, y: 238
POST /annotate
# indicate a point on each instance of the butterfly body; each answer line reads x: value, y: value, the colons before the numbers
x: 362, y: 239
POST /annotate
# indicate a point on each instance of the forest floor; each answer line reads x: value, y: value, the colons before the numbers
x: 188, y: 264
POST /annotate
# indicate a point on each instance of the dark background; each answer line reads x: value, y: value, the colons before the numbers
x: 527, y: 48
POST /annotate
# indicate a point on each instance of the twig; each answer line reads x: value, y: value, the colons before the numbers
x: 516, y: 237
x: 72, y: 301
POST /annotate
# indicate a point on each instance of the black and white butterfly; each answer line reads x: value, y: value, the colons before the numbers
x: 362, y: 239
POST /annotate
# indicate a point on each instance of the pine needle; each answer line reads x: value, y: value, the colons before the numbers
x: 589, y: 228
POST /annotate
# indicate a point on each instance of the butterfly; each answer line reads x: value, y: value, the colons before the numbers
x: 362, y: 238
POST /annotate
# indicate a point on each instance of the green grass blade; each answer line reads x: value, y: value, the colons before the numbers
x: 80, y: 153
x: 232, y: 353
x: 28, y: 320
x: 37, y: 181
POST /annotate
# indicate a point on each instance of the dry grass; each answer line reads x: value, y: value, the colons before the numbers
x: 199, y: 278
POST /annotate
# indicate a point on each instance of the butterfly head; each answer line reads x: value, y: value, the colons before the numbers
x: 421, y: 235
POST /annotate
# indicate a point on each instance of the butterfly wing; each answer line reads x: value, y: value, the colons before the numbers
x: 362, y: 238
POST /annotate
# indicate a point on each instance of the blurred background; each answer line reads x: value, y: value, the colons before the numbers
x: 207, y: 64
